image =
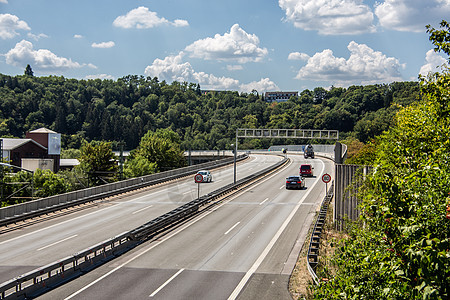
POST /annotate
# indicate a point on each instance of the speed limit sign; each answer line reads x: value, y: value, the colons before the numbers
x: 326, y: 178
x: 198, y: 178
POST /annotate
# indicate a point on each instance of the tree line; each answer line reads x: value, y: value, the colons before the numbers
x: 124, y: 110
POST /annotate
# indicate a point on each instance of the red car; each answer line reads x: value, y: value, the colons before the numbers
x: 306, y: 170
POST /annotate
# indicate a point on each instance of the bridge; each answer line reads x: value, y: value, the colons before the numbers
x: 243, y: 246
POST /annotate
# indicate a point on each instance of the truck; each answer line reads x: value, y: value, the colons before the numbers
x: 309, y: 151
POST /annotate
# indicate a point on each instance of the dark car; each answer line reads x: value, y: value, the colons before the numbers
x: 306, y: 170
x: 295, y: 182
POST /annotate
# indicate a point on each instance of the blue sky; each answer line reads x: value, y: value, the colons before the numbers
x: 267, y: 45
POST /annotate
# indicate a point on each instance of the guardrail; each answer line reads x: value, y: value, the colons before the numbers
x: 34, y: 208
x: 313, y: 251
x: 43, y: 279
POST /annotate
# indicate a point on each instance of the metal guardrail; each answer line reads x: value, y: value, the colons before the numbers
x: 31, y: 209
x: 43, y: 279
x: 314, y: 244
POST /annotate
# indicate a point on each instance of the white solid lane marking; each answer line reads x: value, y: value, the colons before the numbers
x: 228, y: 231
x: 264, y: 201
x: 282, y: 187
x: 166, y: 283
x: 263, y: 255
x: 55, y: 243
x: 165, y: 239
x: 141, y: 209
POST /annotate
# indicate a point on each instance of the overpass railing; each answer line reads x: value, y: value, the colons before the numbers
x: 34, y: 208
x: 43, y: 279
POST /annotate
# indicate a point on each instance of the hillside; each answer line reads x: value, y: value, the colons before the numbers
x: 124, y: 110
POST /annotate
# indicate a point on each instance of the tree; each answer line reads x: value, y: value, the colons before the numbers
x: 400, y: 247
x: 158, y: 151
x: 28, y: 71
x: 98, y: 161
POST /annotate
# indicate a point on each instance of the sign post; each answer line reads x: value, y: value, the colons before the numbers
x: 198, y: 178
x: 326, y: 178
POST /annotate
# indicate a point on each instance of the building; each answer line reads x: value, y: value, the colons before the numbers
x: 279, y: 96
x: 14, y: 150
x: 41, y: 149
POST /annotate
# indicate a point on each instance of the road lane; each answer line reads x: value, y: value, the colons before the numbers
x: 40, y: 244
x: 261, y: 245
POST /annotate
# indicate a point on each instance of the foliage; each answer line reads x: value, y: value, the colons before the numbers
x: 98, y: 161
x: 139, y: 166
x: 70, y: 153
x: 157, y: 151
x: 45, y: 184
x: 125, y: 109
x: 400, y: 248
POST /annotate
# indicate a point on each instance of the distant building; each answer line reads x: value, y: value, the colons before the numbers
x: 14, y: 150
x: 40, y: 150
x: 279, y: 96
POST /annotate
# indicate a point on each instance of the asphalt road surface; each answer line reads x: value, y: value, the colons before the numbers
x: 244, y: 248
x: 34, y: 246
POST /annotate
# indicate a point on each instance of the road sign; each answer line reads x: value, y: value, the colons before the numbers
x: 198, y: 178
x: 326, y: 178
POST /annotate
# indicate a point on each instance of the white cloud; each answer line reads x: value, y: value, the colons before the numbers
x: 265, y: 84
x: 234, y: 67
x: 172, y: 68
x: 42, y: 59
x: 4, y: 1
x: 9, y: 24
x: 364, y: 66
x: 100, y: 76
x: 180, y: 23
x: 109, y: 44
x: 142, y: 18
x: 329, y: 17
x: 411, y: 15
x: 298, y: 56
x: 78, y: 36
x: 434, y: 62
x: 36, y: 37
x: 237, y: 45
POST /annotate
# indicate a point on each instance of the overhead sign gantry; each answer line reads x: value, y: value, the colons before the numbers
x: 288, y: 133
x: 282, y: 134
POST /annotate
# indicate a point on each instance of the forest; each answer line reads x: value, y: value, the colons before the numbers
x: 124, y: 110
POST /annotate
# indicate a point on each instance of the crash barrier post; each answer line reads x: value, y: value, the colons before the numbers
x: 312, y: 259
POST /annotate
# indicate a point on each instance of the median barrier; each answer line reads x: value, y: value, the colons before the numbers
x: 41, y: 280
x: 19, y: 212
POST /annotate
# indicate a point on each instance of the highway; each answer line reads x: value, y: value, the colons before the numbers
x: 244, y: 248
x: 40, y: 244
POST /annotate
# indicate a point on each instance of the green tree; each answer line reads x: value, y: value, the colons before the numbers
x: 47, y: 183
x: 161, y: 149
x: 400, y: 247
x: 28, y: 71
x: 98, y: 161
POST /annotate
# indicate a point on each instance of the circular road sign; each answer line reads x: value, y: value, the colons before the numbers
x: 198, y: 178
x: 326, y: 178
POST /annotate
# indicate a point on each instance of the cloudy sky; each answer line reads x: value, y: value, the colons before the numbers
x: 267, y: 45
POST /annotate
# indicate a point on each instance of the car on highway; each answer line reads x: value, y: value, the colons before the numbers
x: 306, y: 170
x: 207, y: 177
x: 295, y: 182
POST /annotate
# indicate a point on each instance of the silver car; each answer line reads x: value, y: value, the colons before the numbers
x: 207, y: 177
